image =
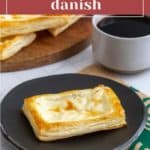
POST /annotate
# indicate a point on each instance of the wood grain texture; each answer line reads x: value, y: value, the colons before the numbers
x: 47, y: 49
x: 98, y: 70
x: 101, y: 71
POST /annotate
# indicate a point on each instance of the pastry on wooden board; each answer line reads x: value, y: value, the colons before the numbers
x: 9, y: 46
x: 17, y: 31
x: 74, y: 113
x: 71, y: 20
x: 23, y: 24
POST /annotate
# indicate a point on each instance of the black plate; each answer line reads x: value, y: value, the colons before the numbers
x: 17, y: 129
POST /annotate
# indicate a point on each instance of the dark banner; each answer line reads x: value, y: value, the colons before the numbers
x: 75, y: 6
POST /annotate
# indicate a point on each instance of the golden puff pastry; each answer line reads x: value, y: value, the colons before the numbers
x: 71, y: 20
x: 9, y: 46
x: 73, y: 113
x: 23, y: 24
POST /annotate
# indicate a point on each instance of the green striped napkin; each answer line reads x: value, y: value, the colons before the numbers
x: 143, y: 142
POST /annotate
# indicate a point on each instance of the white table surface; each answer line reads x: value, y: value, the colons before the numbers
x: 74, y: 64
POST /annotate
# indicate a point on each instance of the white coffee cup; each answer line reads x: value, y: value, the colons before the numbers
x: 120, y: 53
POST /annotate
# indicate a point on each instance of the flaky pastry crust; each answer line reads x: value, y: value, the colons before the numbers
x: 73, y: 113
x: 24, y: 24
x: 9, y: 46
x: 71, y: 20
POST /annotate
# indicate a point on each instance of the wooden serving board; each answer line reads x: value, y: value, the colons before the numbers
x: 47, y: 49
x: 98, y: 70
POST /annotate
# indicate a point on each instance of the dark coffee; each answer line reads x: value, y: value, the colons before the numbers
x: 125, y: 27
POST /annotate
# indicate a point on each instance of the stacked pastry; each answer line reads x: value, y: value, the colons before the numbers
x: 18, y: 31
